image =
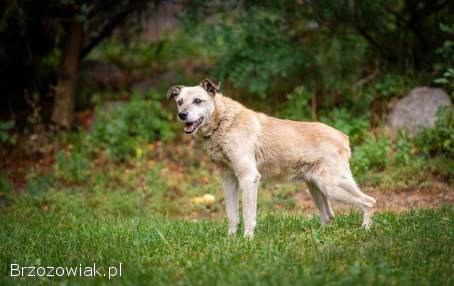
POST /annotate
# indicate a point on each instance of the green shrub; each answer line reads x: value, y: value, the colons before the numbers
x: 140, y: 58
x: 298, y: 106
x: 445, y: 67
x: 39, y: 184
x: 403, y: 150
x: 136, y: 55
x: 256, y: 54
x: 123, y: 129
x: 390, y: 85
x: 72, y: 165
x: 417, y: 172
x: 440, y: 139
x: 354, y: 126
x: 5, y: 185
x: 371, y: 155
x: 5, y: 136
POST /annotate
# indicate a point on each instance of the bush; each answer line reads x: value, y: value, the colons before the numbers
x: 354, y: 126
x: 121, y: 130
x: 403, y: 152
x: 298, y: 106
x: 440, y: 139
x: 445, y: 67
x: 72, y: 165
x: 257, y: 54
x: 133, y: 56
x: 372, y: 155
x: 5, y: 185
x: 5, y: 136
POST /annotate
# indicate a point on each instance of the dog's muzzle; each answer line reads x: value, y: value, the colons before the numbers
x: 191, y: 127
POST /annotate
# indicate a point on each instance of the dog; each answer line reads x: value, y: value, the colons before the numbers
x: 247, y: 146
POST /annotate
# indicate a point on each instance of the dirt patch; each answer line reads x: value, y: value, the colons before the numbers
x: 396, y: 200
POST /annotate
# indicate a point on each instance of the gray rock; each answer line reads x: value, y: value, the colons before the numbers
x: 417, y: 110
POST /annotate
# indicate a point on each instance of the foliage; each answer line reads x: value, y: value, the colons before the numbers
x: 5, y: 136
x: 32, y: 36
x: 339, y: 60
x: 370, y: 156
x: 135, y: 56
x: 440, y: 139
x: 389, y: 86
x: 121, y: 130
x: 140, y: 58
x: 445, y: 67
x: 254, y: 54
x: 416, y: 173
x: 298, y: 105
x: 354, y: 126
x: 5, y: 184
x: 72, y: 165
x: 403, y: 150
x: 409, y: 27
x: 268, y: 47
x: 38, y: 184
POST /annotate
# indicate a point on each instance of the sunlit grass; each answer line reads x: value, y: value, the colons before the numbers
x: 416, y: 248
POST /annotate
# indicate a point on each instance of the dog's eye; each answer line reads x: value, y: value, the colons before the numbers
x: 180, y: 102
x: 197, y: 101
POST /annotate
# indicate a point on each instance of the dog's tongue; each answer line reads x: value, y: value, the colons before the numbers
x: 188, y: 126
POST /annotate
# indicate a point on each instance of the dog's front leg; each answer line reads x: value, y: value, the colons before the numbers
x: 230, y: 187
x: 249, y: 181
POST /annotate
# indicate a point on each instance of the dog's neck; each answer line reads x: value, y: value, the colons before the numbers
x: 220, y: 118
x: 216, y: 117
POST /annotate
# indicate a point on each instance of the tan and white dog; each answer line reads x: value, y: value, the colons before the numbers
x: 247, y: 145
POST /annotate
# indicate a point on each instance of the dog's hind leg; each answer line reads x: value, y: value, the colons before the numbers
x: 349, y: 184
x: 230, y: 188
x: 344, y: 189
x: 322, y: 203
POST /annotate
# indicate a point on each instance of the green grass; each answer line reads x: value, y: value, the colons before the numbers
x: 85, y: 209
x: 61, y: 229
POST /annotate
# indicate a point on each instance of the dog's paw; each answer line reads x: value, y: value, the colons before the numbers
x: 232, y: 231
x: 248, y: 234
x: 367, y: 225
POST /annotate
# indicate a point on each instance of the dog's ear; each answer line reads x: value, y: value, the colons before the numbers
x: 211, y: 86
x: 174, y: 91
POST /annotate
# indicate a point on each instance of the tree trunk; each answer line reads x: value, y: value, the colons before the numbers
x: 63, y: 110
x: 314, y: 107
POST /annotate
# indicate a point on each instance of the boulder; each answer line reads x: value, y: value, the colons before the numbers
x: 417, y: 110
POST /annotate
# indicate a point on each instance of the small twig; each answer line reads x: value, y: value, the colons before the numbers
x: 366, y: 79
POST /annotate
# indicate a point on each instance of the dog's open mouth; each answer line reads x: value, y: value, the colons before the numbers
x: 191, y: 127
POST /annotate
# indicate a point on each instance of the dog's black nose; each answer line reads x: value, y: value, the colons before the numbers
x: 183, y: 115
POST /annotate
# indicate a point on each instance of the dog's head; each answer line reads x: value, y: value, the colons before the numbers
x: 195, y: 103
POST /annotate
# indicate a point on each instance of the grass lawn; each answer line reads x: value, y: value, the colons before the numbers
x: 413, y: 248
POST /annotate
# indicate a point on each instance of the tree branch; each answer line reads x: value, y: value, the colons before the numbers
x: 105, y: 32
